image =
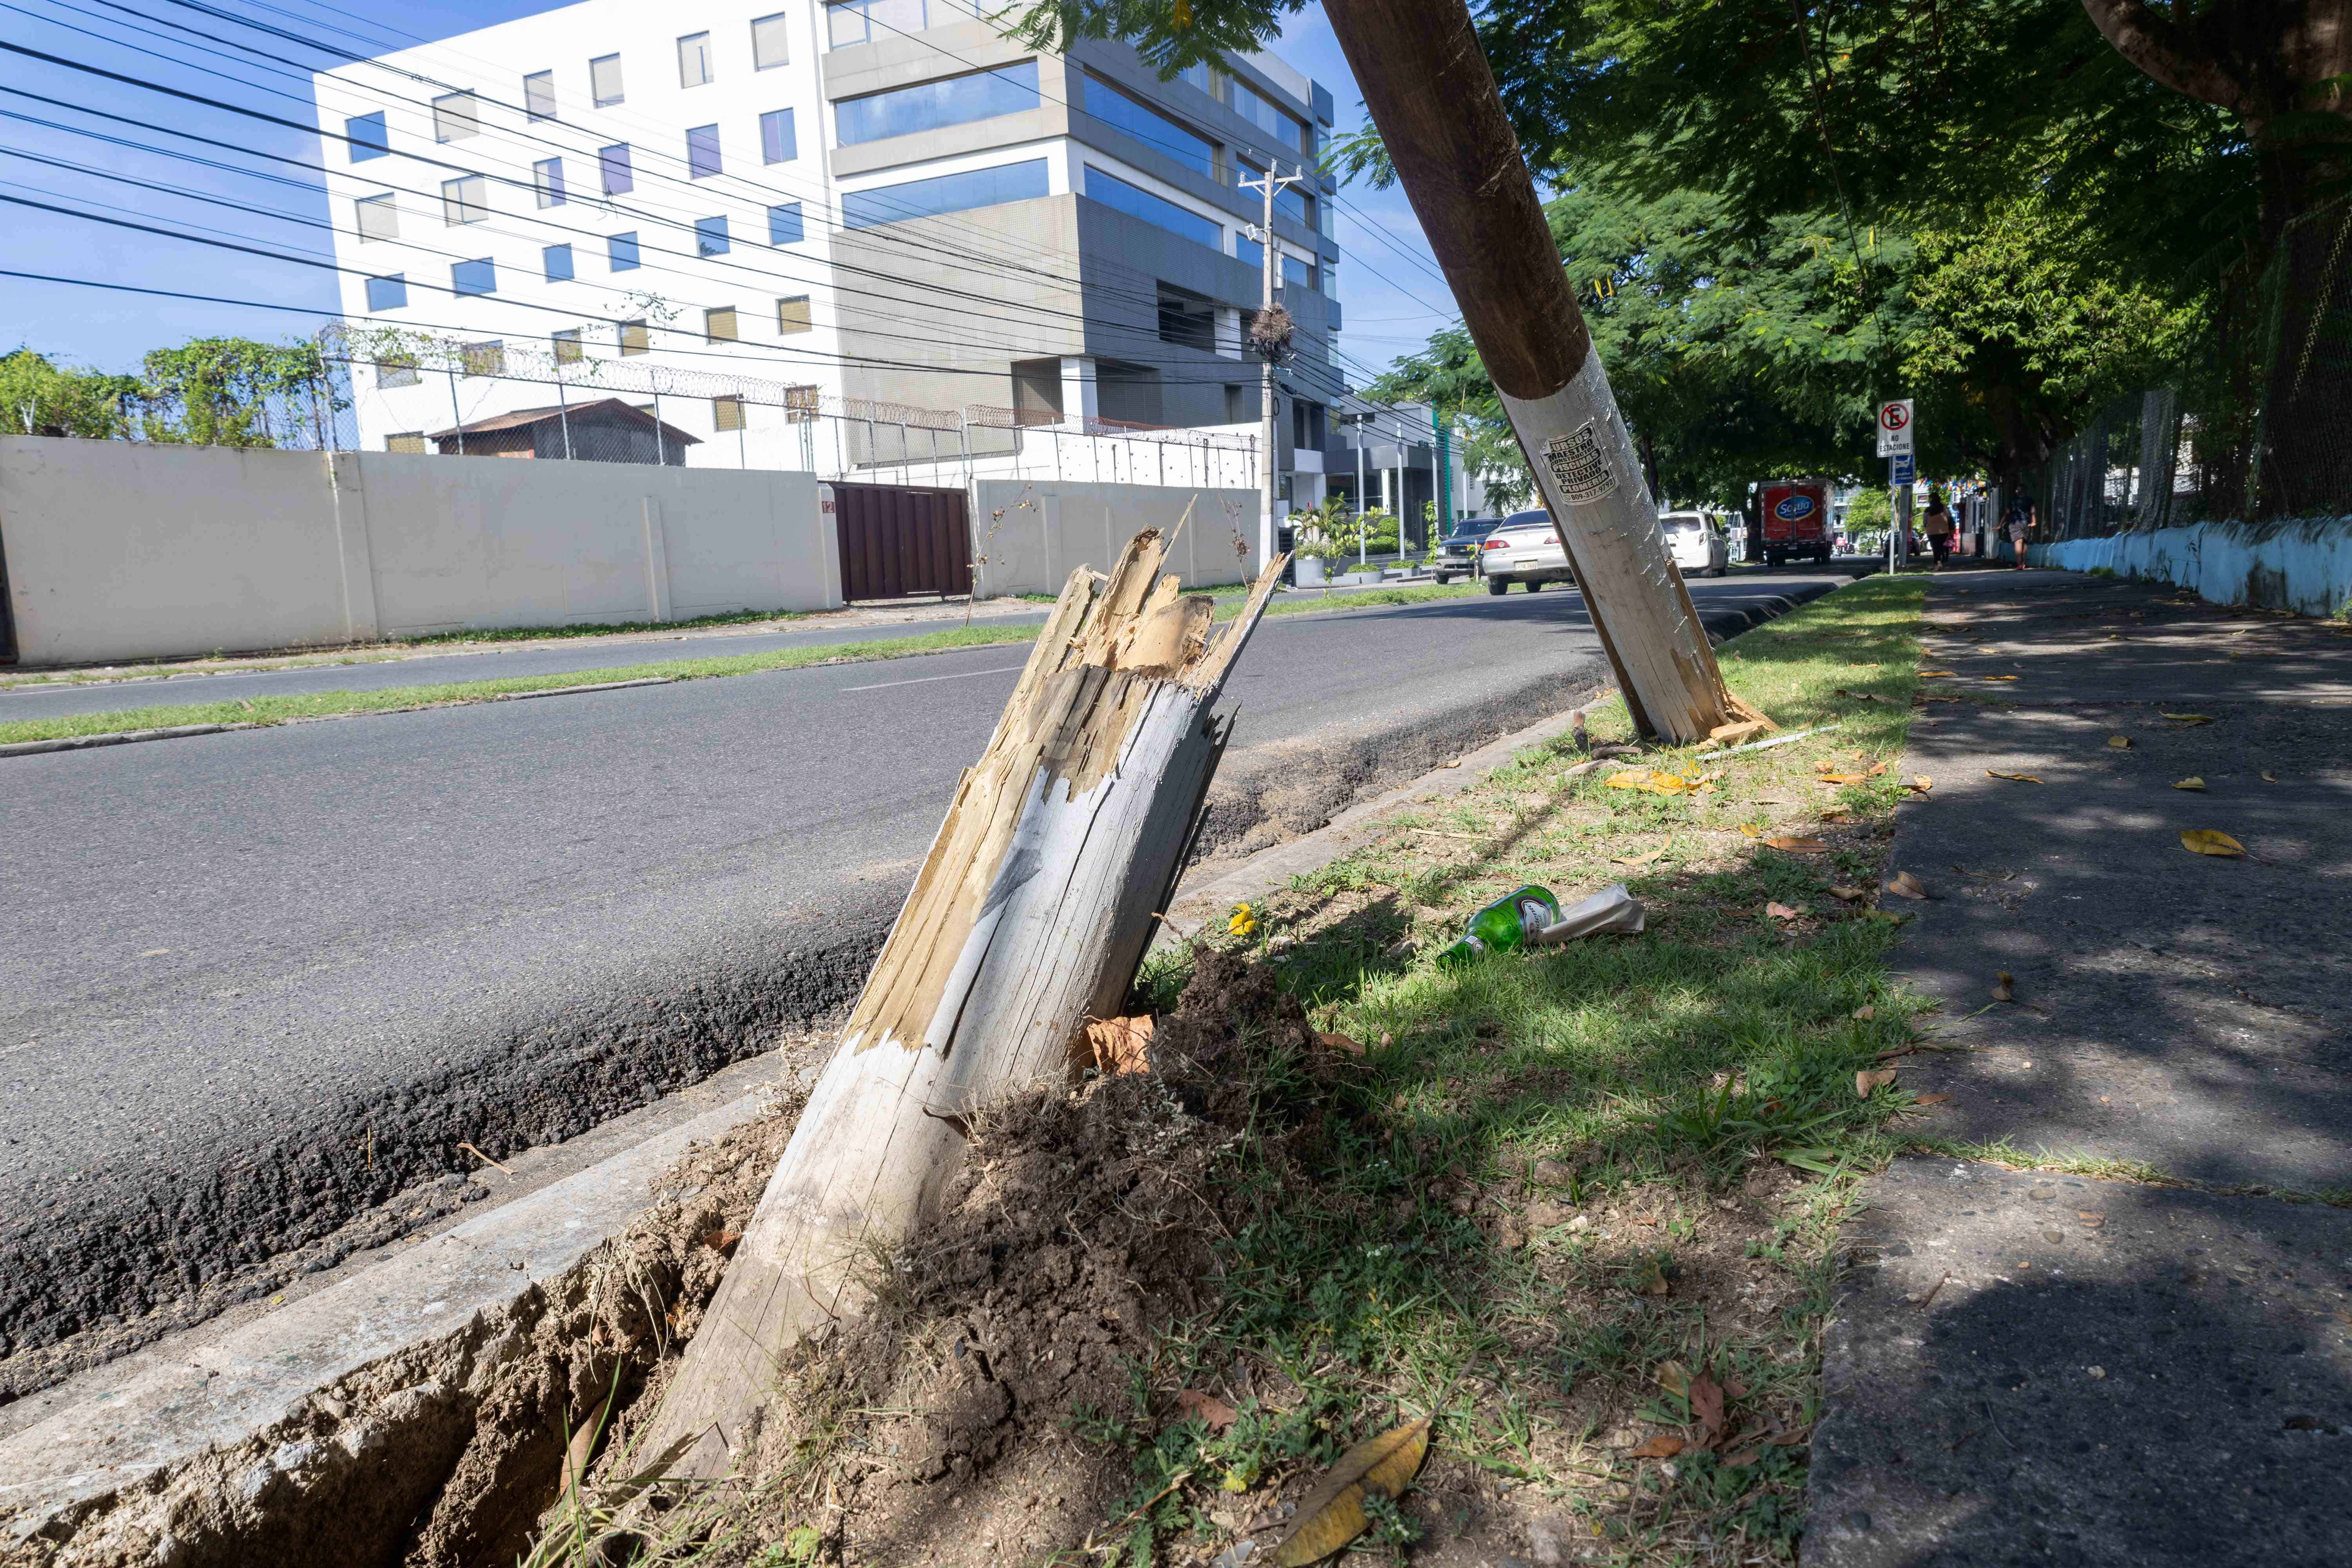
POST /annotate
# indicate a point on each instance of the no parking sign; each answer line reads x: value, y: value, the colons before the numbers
x: 1895, y: 428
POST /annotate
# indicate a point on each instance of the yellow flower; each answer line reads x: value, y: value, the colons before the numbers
x: 1244, y: 922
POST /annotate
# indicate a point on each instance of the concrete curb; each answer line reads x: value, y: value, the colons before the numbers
x: 118, y: 738
x: 231, y: 1391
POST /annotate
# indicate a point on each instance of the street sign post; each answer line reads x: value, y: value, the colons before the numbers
x: 1906, y: 469
x: 1896, y: 445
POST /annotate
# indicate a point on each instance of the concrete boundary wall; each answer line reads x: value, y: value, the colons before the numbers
x: 123, y: 550
x: 2303, y: 565
x: 1029, y: 535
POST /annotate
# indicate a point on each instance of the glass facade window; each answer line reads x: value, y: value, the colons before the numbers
x: 464, y: 200
x: 719, y: 325
x: 702, y: 152
x: 604, y: 80
x: 784, y: 225
x: 726, y: 414
x: 1297, y: 273
x: 539, y: 95
x: 613, y: 168
x: 930, y: 105
x: 456, y: 116
x: 387, y: 293
x: 636, y: 339
x: 793, y: 315
x: 568, y: 350
x: 869, y: 21
x: 778, y: 142
x: 557, y: 260
x: 1251, y: 251
x: 1205, y: 77
x: 1148, y: 126
x: 945, y: 193
x: 770, y: 46
x: 1159, y: 211
x: 621, y: 252
x: 397, y: 372
x: 366, y: 138
x: 547, y: 182
x: 377, y: 220
x: 474, y: 277
x: 711, y: 236
x: 1288, y: 129
x: 484, y: 358
x: 694, y: 60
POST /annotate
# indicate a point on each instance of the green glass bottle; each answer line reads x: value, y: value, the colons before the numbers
x: 1503, y: 925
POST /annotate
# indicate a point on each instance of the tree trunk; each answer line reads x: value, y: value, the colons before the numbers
x: 1432, y: 97
x: 1029, y: 916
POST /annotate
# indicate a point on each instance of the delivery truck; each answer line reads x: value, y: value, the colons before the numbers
x: 1796, y: 520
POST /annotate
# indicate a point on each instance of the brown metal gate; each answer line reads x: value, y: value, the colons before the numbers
x: 898, y: 540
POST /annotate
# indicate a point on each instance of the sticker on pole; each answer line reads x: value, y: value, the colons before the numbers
x: 1895, y: 428
x: 1578, y: 467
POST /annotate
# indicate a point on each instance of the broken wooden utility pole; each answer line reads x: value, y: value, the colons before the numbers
x: 1432, y: 97
x: 1030, y: 915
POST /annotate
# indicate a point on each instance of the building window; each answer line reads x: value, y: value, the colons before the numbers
x: 397, y: 372
x: 406, y: 441
x: 568, y: 349
x: 694, y: 60
x: 464, y: 200
x: 711, y: 236
x: 864, y: 21
x: 621, y: 250
x: 929, y: 106
x: 1156, y: 131
x: 778, y: 142
x: 474, y: 277
x: 1249, y: 250
x: 1288, y: 129
x: 793, y: 315
x: 539, y: 95
x: 456, y: 116
x: 483, y: 359
x: 547, y: 182
x: 635, y: 339
x: 702, y: 152
x: 1297, y: 273
x: 726, y: 414
x: 376, y: 218
x: 769, y: 48
x: 613, y: 168
x: 1159, y: 211
x: 387, y: 293
x: 945, y: 193
x: 784, y: 226
x: 365, y: 137
x: 719, y: 325
x: 1186, y: 318
x: 604, y: 80
x: 558, y: 260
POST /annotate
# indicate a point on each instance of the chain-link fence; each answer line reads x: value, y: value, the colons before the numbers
x: 404, y: 390
x: 2257, y: 423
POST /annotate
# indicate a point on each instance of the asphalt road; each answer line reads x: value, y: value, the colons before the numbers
x: 259, y: 984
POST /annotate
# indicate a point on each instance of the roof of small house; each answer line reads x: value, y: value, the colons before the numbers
x: 519, y: 418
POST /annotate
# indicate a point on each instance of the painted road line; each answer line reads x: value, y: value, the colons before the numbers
x: 927, y: 680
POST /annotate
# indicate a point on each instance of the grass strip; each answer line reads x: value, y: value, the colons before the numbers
x: 1582, y: 1176
x: 270, y: 711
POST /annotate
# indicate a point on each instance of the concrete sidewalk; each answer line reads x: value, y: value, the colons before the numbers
x: 2047, y: 1366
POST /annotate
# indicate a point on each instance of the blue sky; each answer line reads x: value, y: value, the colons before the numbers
x: 1390, y: 289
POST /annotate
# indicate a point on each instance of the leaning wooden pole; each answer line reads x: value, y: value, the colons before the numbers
x: 1432, y: 97
x: 1029, y: 916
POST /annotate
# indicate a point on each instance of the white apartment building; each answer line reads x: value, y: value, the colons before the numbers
x: 871, y: 202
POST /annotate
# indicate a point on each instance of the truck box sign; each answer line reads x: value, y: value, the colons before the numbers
x: 1795, y: 507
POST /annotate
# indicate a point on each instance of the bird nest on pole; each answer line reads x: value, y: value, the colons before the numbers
x: 1271, y: 332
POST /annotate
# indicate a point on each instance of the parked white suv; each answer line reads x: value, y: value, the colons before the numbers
x: 1699, y: 544
x: 1526, y: 548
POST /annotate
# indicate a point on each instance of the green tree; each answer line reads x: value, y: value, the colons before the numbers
x: 40, y: 397
x: 234, y: 392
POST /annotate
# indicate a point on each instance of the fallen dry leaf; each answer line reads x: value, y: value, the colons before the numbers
x: 1933, y: 1099
x: 2004, y: 988
x: 1215, y: 1413
x: 1997, y: 678
x: 1925, y: 673
x: 1706, y: 1409
x: 1921, y: 783
x: 2209, y: 841
x: 1345, y: 1045
x: 1867, y: 1012
x: 2269, y: 777
x: 2120, y: 743
x: 2191, y: 783
x: 2020, y: 778
x: 1844, y: 778
x: 1333, y: 1513
x: 1850, y: 895
x: 1781, y: 912
x: 1742, y: 1460
x: 1735, y: 1389
x: 1244, y: 921
x: 1751, y: 832
x: 1798, y: 846
x: 722, y: 1240
x: 1786, y: 1439
x: 1674, y: 1377
x: 1870, y: 1078
x: 1642, y: 859
x: 2187, y: 718
x: 1121, y: 1045
x: 1906, y: 885
x: 1664, y: 1446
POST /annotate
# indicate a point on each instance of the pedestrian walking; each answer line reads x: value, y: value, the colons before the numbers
x: 1940, y: 528
x: 2019, y: 522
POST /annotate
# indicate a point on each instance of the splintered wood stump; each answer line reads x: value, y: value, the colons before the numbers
x: 1030, y: 915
